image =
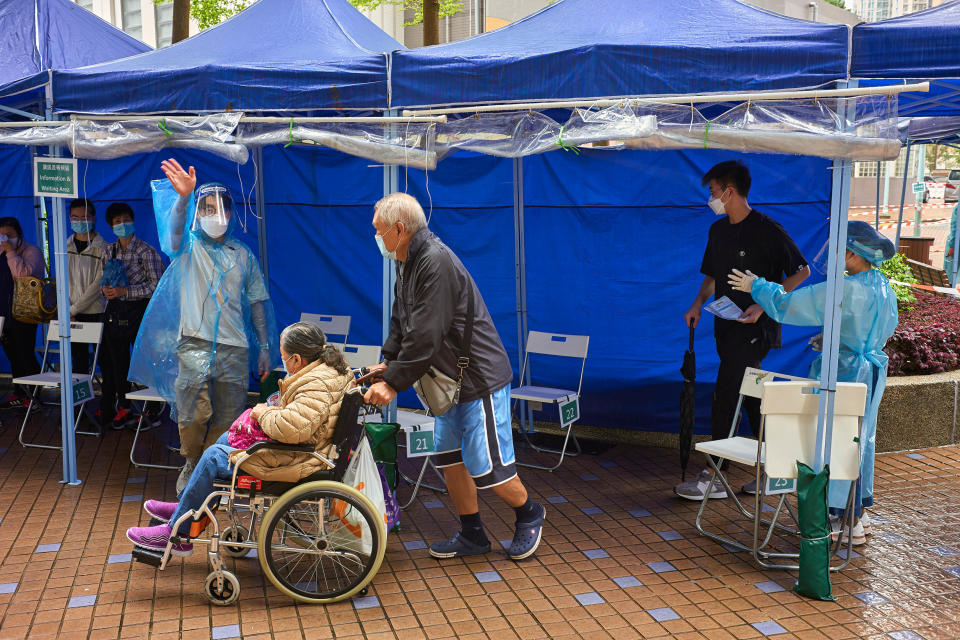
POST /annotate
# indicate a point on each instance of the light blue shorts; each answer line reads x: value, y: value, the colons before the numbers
x: 478, y: 434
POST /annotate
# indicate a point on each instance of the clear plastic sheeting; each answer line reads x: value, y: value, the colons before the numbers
x: 109, y: 139
x: 106, y: 140
x: 518, y: 134
x: 409, y: 144
x: 862, y: 128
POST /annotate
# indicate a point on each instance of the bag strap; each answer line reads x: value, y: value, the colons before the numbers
x: 463, y: 358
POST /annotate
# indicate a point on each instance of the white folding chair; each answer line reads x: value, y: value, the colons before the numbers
x: 145, y: 395
x: 80, y: 333
x: 361, y: 355
x: 738, y: 448
x: 788, y: 432
x: 550, y: 344
x: 330, y: 325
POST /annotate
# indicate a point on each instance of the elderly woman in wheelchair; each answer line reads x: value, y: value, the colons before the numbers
x: 318, y: 540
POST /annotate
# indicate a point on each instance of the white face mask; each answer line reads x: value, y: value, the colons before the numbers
x: 213, y: 226
x: 717, y: 205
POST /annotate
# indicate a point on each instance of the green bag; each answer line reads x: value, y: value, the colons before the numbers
x: 814, y: 578
x: 383, y: 444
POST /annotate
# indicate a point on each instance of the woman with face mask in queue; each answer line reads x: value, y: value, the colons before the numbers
x: 132, y: 269
x: 868, y: 319
x: 210, y: 322
x: 18, y: 259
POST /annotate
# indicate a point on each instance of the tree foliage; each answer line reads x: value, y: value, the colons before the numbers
x: 208, y: 13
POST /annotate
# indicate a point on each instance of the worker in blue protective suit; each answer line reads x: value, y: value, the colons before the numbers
x: 950, y: 248
x: 868, y: 319
x: 210, y: 321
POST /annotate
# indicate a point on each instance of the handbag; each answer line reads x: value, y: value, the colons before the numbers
x: 245, y: 432
x: 438, y: 391
x: 34, y: 299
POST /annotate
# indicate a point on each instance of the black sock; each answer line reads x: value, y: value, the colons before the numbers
x: 471, y: 528
x: 527, y: 511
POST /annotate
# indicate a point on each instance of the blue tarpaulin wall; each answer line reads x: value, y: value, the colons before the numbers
x: 621, y: 273
x: 613, y: 247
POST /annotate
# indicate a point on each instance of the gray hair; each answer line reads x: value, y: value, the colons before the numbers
x: 401, y: 207
x: 307, y: 341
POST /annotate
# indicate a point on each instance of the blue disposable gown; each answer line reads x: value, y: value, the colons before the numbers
x: 868, y: 319
x: 948, y: 261
x: 217, y: 309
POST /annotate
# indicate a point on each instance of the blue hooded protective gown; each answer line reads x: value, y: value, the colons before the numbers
x: 205, y: 301
x: 948, y: 261
x: 868, y: 319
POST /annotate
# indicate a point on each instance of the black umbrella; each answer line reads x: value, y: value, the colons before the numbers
x: 687, y: 404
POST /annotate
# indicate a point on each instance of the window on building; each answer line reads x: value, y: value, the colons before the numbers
x: 869, y: 169
x: 164, y: 22
x: 132, y: 19
x: 86, y: 4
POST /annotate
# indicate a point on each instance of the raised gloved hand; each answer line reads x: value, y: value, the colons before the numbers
x: 741, y: 281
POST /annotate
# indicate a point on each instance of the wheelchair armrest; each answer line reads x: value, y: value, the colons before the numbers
x: 283, y: 446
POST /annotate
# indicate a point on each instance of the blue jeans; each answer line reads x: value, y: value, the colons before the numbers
x: 213, y: 464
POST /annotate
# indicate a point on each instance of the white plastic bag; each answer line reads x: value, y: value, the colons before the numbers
x: 348, y: 527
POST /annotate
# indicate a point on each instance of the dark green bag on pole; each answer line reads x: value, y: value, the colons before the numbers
x: 383, y: 444
x: 814, y: 578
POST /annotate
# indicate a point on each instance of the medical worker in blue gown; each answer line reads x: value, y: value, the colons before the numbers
x: 210, y: 321
x: 950, y: 248
x: 869, y: 317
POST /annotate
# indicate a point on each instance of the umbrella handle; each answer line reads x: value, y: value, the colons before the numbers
x: 691, y: 336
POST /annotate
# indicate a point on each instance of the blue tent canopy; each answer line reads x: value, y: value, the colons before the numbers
x: 275, y: 55
x: 52, y: 34
x: 925, y: 44
x: 624, y: 47
x: 56, y: 34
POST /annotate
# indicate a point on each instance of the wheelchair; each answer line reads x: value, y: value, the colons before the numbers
x: 318, y: 540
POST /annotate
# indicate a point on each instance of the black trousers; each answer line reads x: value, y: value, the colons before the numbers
x: 119, y: 334
x: 81, y: 354
x: 19, y: 341
x: 735, y: 357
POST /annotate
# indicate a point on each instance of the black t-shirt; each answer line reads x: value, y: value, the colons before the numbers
x: 757, y: 243
x: 81, y: 244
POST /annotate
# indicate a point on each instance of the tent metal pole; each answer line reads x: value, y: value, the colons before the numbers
x: 67, y: 433
x: 520, y: 274
x: 261, y: 215
x: 839, y: 204
x: 876, y: 224
x: 903, y: 193
x: 391, y: 184
x: 800, y: 94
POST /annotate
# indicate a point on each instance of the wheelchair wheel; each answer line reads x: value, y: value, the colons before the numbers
x: 234, y: 533
x: 225, y: 596
x: 322, y: 542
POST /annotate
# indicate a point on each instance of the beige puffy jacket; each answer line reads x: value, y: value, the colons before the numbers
x: 309, y: 403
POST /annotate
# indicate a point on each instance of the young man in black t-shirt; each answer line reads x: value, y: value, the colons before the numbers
x: 743, y: 239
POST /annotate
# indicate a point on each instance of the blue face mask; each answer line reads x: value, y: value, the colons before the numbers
x: 81, y: 226
x: 123, y: 229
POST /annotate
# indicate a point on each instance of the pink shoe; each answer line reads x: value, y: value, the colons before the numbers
x: 156, y: 539
x: 162, y: 511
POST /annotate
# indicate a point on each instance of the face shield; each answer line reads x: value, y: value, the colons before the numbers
x: 214, y: 210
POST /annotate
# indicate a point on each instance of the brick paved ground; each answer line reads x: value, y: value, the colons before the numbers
x: 620, y: 559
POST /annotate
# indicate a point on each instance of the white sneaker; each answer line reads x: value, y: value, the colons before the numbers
x: 867, y: 524
x: 859, y: 537
x: 694, y: 489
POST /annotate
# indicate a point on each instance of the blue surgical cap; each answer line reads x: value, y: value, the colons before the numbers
x: 868, y: 243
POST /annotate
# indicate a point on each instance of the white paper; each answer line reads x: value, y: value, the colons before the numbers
x: 724, y: 308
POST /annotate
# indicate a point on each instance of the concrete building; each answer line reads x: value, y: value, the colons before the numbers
x: 141, y: 19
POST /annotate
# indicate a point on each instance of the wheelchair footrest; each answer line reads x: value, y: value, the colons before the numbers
x: 147, y: 556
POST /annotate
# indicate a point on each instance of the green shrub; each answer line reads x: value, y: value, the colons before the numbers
x: 896, y: 269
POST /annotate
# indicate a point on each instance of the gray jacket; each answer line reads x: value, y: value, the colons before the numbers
x: 426, y: 326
